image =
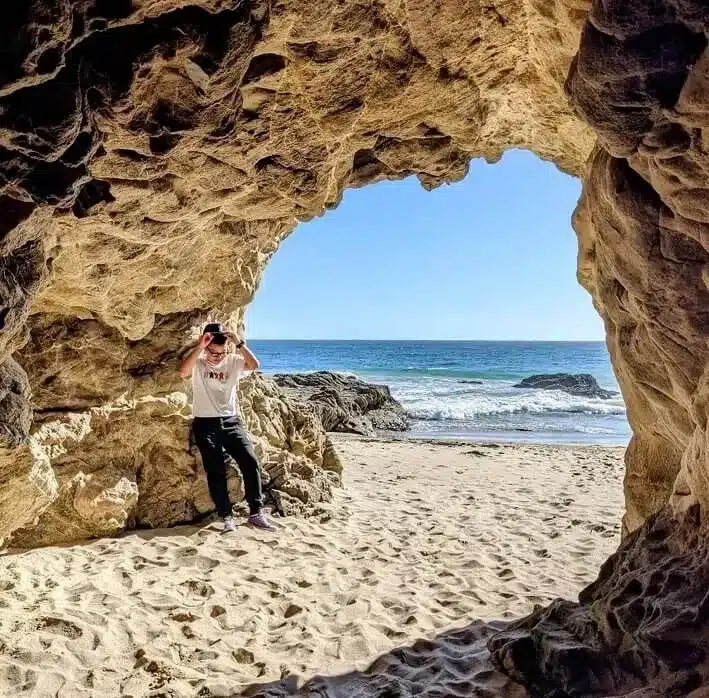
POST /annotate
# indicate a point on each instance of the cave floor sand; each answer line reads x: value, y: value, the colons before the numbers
x: 425, y: 537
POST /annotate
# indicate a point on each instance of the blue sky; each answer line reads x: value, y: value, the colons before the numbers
x: 491, y: 257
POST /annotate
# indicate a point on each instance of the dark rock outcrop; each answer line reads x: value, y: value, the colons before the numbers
x: 470, y: 382
x: 346, y: 403
x: 582, y: 384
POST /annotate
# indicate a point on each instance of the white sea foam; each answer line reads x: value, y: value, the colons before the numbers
x: 435, y: 400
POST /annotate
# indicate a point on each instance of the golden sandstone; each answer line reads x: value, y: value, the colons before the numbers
x: 153, y: 155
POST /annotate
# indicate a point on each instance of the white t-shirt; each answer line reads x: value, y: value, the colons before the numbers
x: 214, y: 386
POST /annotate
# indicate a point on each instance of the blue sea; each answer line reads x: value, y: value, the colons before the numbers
x: 426, y: 378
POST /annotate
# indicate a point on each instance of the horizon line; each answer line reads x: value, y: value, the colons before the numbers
x: 442, y: 339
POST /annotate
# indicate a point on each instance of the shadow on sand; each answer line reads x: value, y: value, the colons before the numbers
x: 456, y: 663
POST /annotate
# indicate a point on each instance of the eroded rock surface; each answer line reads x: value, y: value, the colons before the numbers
x: 106, y: 485
x: 346, y: 403
x: 639, y: 79
x: 27, y: 480
x: 153, y: 155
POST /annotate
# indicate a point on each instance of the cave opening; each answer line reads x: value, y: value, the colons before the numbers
x: 209, y: 137
x: 450, y: 297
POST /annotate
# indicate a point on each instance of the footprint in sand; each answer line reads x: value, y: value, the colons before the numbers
x: 206, y: 564
x: 126, y: 580
x: 472, y: 564
x: 183, y: 616
x: 242, y: 656
x: 58, y: 626
x: 506, y: 574
x: 140, y: 562
x: 292, y: 610
x: 217, y: 611
x: 198, y: 588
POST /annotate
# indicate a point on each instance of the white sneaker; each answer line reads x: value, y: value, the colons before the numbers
x: 229, y: 523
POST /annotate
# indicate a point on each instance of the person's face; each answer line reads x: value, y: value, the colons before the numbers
x: 215, y: 352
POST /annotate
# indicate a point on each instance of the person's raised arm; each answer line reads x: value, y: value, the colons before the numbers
x: 190, y: 360
x: 251, y: 363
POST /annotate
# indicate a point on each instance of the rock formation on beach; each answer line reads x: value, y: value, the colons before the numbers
x: 105, y: 485
x: 154, y: 153
x: 582, y: 384
x: 346, y: 403
x: 639, y: 630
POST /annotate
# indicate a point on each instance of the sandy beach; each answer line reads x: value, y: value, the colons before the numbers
x: 423, y: 538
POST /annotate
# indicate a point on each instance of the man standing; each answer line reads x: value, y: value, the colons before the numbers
x: 216, y: 426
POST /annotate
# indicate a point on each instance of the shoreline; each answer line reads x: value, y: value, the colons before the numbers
x: 483, y: 438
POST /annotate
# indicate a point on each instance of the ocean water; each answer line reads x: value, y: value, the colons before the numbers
x: 426, y: 378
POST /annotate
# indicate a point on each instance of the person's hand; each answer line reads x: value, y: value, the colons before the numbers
x: 234, y: 338
x: 204, y: 340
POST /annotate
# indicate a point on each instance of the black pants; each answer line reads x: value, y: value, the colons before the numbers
x: 213, y: 436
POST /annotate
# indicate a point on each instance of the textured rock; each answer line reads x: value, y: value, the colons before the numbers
x: 106, y: 485
x: 583, y: 384
x: 154, y: 154
x: 346, y: 403
x: 641, y: 223
x: 293, y: 448
x: 27, y: 480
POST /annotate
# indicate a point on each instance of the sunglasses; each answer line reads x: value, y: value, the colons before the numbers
x: 216, y: 353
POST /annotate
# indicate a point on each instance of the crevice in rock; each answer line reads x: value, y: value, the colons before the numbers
x: 92, y: 193
x: 110, y: 9
x: 14, y: 211
x: 263, y: 65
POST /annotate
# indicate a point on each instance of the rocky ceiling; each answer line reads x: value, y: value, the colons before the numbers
x: 153, y: 154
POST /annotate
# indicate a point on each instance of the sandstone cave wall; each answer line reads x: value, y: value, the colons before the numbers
x: 640, y: 80
x: 153, y: 154
x: 130, y: 464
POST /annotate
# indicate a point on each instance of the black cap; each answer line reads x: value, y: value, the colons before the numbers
x: 218, y: 332
x: 214, y: 328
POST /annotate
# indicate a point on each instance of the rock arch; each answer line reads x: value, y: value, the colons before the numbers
x: 154, y: 153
